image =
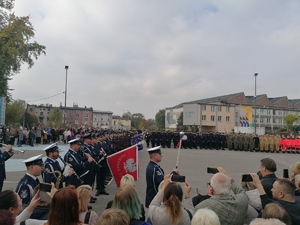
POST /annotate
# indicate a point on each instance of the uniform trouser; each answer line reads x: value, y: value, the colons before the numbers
x: 152, y: 143
x: 147, y: 142
x: 271, y: 147
x: 101, y: 174
x: 1, y: 185
x: 267, y: 147
x: 277, y: 147
x: 261, y: 147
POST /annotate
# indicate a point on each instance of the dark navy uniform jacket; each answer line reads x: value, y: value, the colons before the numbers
x: 3, y: 157
x: 78, y: 164
x: 154, y: 176
x: 51, y: 165
x: 25, y: 188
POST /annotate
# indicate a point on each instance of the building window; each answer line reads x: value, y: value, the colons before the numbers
x: 203, y: 107
x: 77, y: 115
x: 268, y: 111
x: 261, y: 120
x: 76, y: 121
x: 219, y: 108
x: 268, y: 120
x: 31, y: 109
x: 280, y: 121
x: 227, y: 109
x: 41, y: 113
x: 203, y: 117
x: 219, y: 118
x: 86, y: 115
x: 227, y: 118
x: 261, y: 111
x: 279, y: 113
x: 212, y: 118
x: 274, y: 121
x: 212, y: 108
x: 236, y: 114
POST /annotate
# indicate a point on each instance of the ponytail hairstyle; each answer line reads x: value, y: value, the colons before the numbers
x: 172, y: 200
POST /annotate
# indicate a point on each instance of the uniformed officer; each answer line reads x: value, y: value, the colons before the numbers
x: 52, y: 169
x: 27, y: 184
x: 80, y: 166
x: 5, y: 155
x: 154, y: 174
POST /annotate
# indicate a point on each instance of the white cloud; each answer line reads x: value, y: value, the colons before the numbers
x: 143, y: 56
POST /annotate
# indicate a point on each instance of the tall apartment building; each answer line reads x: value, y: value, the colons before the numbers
x: 234, y: 112
x: 77, y: 117
x: 102, y: 119
x: 42, y: 112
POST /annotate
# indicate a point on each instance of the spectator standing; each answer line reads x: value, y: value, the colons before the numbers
x: 268, y: 168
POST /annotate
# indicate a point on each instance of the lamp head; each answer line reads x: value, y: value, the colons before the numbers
x: 255, y: 74
x: 66, y: 67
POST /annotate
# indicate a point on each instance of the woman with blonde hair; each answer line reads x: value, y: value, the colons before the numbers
x: 173, y: 211
x: 295, y: 169
x: 127, y: 199
x: 113, y: 217
x: 84, y: 196
x: 128, y: 180
x: 276, y: 211
x: 205, y: 217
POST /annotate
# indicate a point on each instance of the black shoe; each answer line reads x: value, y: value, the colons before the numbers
x: 102, y: 192
x: 93, y: 198
x: 92, y: 201
x: 97, y: 193
x: 89, y: 207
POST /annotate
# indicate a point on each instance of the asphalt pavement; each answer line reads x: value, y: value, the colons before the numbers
x: 193, y: 164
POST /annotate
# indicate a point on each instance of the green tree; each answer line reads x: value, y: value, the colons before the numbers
x: 14, y: 113
x: 151, y: 122
x: 55, y: 118
x: 16, y: 46
x: 289, y: 120
x: 30, y: 120
x: 138, y: 121
x: 180, y: 126
x: 160, y: 119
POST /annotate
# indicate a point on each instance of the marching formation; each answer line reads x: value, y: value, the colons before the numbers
x: 232, y: 141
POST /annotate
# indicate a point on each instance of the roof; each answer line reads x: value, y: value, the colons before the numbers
x: 276, y: 99
x: 104, y: 112
x: 222, y: 98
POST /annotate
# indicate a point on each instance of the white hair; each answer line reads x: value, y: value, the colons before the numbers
x: 220, y: 183
x: 205, y: 217
x: 271, y: 221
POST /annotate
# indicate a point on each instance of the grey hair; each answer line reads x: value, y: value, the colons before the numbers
x: 220, y: 183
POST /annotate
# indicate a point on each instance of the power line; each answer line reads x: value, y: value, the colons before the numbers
x: 46, y: 97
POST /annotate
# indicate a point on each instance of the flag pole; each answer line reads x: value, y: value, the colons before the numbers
x: 182, y: 137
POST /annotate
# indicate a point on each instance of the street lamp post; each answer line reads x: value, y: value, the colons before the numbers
x: 255, y: 75
x: 65, y: 114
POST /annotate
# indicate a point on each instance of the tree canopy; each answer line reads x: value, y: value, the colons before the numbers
x: 289, y: 120
x: 16, y: 46
x: 160, y: 119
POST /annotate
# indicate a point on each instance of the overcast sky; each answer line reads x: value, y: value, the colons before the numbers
x: 143, y: 56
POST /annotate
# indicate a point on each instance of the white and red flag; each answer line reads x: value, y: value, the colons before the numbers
x: 124, y: 162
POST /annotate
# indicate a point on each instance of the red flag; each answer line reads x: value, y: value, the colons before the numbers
x: 124, y: 162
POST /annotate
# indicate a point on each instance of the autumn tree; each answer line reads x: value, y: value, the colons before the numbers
x: 16, y: 47
x: 289, y: 120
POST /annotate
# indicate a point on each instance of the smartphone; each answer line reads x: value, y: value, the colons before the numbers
x: 44, y: 188
x: 177, y: 178
x: 212, y: 170
x: 246, y: 178
x: 286, y: 173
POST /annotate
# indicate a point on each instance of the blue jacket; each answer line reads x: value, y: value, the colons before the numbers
x: 25, y: 189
